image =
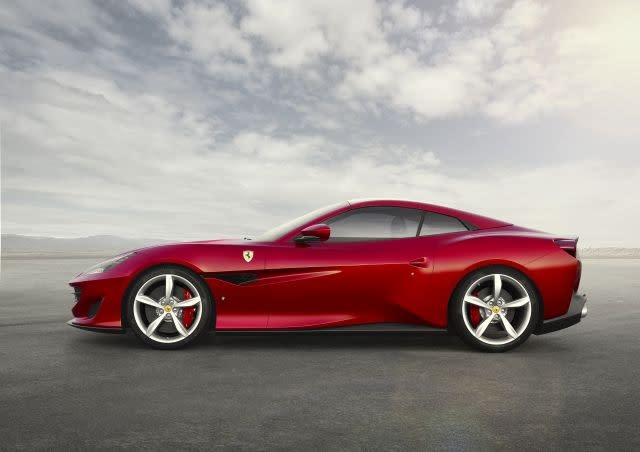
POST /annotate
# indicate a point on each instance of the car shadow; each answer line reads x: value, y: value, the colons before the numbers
x: 317, y: 341
x: 333, y: 340
x: 279, y: 341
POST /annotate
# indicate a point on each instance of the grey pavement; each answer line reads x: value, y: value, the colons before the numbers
x: 61, y: 388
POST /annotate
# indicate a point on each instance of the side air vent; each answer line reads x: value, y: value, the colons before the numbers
x: 236, y: 277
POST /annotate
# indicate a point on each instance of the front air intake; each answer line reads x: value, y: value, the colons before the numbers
x: 77, y: 293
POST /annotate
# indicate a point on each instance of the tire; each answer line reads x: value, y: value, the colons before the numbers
x: 152, y: 316
x: 513, y: 317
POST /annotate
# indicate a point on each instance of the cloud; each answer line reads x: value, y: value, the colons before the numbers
x: 405, y: 17
x: 392, y: 55
x: 156, y: 8
x: 474, y: 9
x: 301, y: 33
x: 462, y: 78
x: 210, y: 35
x: 179, y: 183
x: 294, y: 35
x: 199, y: 120
x: 449, y: 88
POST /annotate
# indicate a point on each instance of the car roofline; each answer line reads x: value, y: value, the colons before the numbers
x: 479, y: 221
x: 469, y: 219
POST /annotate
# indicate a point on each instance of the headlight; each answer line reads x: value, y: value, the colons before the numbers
x: 106, y: 265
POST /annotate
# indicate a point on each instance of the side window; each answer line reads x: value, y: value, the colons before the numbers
x: 435, y: 223
x: 370, y: 223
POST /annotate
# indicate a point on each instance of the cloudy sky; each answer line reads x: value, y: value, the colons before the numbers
x: 192, y: 120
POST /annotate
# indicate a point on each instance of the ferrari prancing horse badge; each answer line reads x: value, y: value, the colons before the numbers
x: 248, y: 255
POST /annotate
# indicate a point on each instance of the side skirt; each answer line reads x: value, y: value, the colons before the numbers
x: 372, y: 328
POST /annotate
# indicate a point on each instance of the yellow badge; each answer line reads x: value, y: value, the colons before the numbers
x: 248, y: 255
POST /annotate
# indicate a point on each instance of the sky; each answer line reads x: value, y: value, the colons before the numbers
x: 198, y: 120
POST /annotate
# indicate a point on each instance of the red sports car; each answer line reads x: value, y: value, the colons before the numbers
x: 357, y: 266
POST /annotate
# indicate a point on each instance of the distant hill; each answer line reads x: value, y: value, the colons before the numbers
x: 14, y: 245
x: 609, y: 253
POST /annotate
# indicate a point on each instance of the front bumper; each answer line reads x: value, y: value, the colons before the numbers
x: 98, y: 305
x: 96, y: 329
x: 577, y: 311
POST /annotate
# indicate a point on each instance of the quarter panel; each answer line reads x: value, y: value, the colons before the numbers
x: 456, y: 257
x: 555, y: 276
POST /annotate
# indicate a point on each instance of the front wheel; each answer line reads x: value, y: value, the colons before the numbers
x: 169, y: 307
x: 495, y: 309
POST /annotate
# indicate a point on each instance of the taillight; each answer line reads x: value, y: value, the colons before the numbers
x: 569, y: 245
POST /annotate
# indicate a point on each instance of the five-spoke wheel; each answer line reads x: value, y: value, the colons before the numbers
x: 168, y: 307
x: 497, y: 310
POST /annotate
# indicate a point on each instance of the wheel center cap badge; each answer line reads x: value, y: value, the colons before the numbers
x: 167, y: 309
x: 248, y: 255
x: 495, y: 309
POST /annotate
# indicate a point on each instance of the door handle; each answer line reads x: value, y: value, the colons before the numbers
x: 421, y: 262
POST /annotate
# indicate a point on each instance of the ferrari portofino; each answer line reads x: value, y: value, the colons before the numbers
x: 375, y: 265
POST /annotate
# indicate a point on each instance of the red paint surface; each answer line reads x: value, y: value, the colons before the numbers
x: 317, y: 284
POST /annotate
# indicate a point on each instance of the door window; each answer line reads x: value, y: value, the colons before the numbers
x: 374, y: 223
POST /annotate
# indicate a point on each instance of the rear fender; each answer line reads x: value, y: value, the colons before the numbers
x: 457, y: 258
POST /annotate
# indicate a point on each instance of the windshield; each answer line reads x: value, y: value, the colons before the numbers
x: 279, y: 231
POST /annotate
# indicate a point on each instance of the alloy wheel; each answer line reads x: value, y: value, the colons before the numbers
x: 496, y: 309
x: 167, y: 308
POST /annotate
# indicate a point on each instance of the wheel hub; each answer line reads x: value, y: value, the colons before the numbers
x: 167, y: 307
x: 496, y: 308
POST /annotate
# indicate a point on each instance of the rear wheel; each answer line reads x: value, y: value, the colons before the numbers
x: 495, y: 309
x: 169, y: 307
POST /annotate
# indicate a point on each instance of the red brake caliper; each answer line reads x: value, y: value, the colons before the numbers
x: 474, y: 311
x: 189, y: 313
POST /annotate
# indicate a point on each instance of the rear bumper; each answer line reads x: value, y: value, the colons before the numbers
x: 577, y: 311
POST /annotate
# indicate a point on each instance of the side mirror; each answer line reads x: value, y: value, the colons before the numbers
x: 317, y: 232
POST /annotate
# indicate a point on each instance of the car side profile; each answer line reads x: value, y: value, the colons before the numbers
x: 374, y: 265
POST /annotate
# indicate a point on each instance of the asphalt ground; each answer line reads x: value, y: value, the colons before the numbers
x: 61, y: 388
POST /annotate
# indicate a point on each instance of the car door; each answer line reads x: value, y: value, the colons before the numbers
x: 373, y: 268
